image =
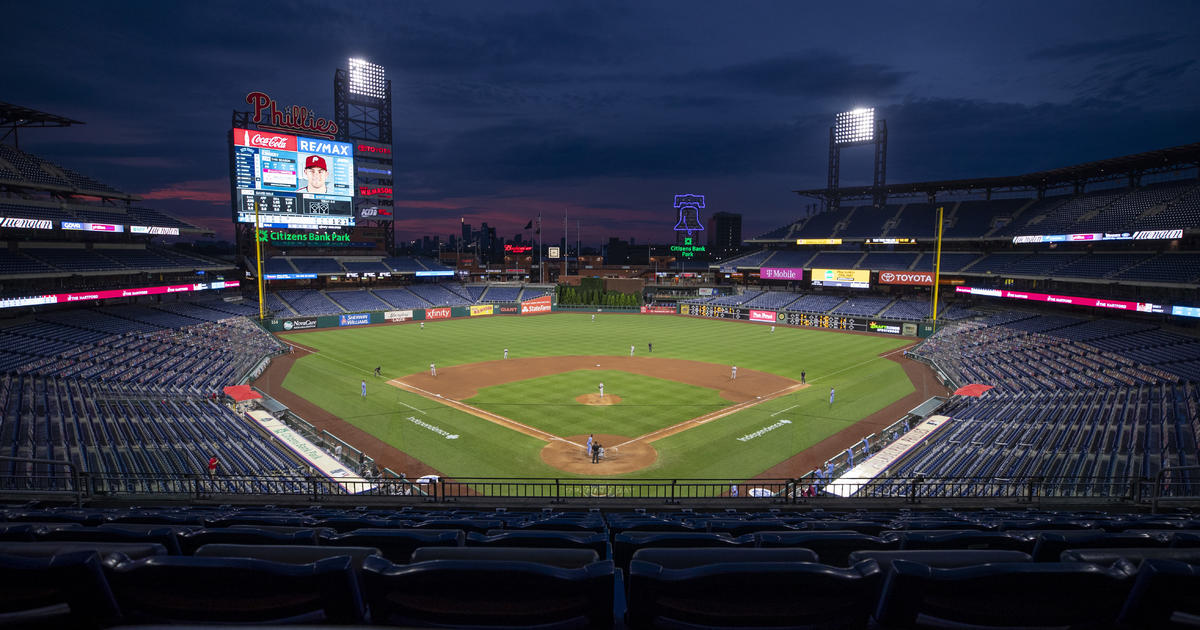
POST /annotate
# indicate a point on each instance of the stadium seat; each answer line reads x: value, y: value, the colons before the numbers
x: 489, y: 594
x: 1007, y: 594
x: 1134, y: 555
x: 1163, y: 596
x: 750, y: 594
x: 687, y: 557
x: 288, y: 554
x: 184, y: 589
x: 940, y: 558
x: 397, y: 545
x: 832, y: 547
x: 1050, y: 545
x: 62, y: 590
x: 565, y: 558
x: 107, y: 549
x: 626, y: 544
x: 595, y: 541
x: 245, y: 535
x: 959, y: 539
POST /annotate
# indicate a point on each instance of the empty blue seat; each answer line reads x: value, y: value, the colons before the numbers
x: 489, y: 594
x: 1050, y: 545
x: 397, y: 545
x: 1013, y: 594
x: 64, y: 590
x: 959, y: 539
x: 566, y: 558
x: 686, y: 557
x: 626, y: 544
x: 940, y: 558
x: 777, y: 594
x: 164, y: 536
x: 1163, y: 596
x: 244, y: 535
x: 595, y: 541
x: 832, y: 547
x: 182, y: 589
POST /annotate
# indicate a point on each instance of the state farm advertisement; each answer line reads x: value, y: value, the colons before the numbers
x: 781, y: 273
x: 540, y: 305
x: 437, y: 313
x: 481, y: 309
x: 762, y: 316
x: 914, y: 278
x: 659, y: 310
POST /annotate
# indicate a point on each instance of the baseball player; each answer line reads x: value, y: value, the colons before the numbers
x: 315, y: 172
x: 802, y: 375
x: 589, y: 445
x: 649, y: 347
x: 772, y: 327
x: 377, y: 369
x: 733, y: 373
x: 593, y: 317
x: 364, y: 389
x: 506, y: 353
x: 602, y: 390
x: 831, y: 395
x: 432, y: 370
x: 422, y: 325
x: 630, y: 349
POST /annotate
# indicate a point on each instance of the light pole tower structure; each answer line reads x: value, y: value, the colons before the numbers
x: 362, y: 109
x: 856, y: 128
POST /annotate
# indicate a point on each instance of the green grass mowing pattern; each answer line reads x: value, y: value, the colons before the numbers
x: 647, y: 404
x: 330, y: 379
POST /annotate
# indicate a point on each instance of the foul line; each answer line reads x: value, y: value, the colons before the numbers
x: 482, y: 413
x: 783, y: 410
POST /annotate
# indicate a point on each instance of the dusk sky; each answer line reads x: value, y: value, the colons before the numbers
x: 503, y: 110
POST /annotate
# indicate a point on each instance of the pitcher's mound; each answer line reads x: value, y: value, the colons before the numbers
x: 595, y: 399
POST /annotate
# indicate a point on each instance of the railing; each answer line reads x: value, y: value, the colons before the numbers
x: 30, y: 477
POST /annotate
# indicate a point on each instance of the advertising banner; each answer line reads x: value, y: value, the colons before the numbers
x: 92, y: 227
x: 398, y: 316
x: 914, y: 278
x: 300, y: 324
x: 60, y: 298
x: 145, y: 229
x: 508, y: 309
x: 850, y: 278
x: 481, y: 309
x: 539, y: 305
x: 885, y: 327
x: 660, y: 310
x: 781, y: 273
x: 762, y: 316
x: 29, y: 224
x: 442, y: 312
x: 1121, y: 305
x: 354, y: 319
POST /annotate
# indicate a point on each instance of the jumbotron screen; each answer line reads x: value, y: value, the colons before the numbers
x: 295, y: 182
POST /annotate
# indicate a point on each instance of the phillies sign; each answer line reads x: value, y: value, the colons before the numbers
x: 294, y: 118
x: 916, y: 278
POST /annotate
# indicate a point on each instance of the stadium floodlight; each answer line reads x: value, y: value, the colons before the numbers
x: 367, y: 79
x: 855, y: 126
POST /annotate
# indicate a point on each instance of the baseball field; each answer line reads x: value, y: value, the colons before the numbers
x: 675, y: 412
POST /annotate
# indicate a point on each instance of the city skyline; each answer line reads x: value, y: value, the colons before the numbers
x: 606, y: 111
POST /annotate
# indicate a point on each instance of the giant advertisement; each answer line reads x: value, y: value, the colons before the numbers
x: 850, y: 278
x: 293, y: 181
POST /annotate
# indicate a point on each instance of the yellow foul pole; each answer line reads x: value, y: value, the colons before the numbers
x: 937, y: 267
x: 262, y: 307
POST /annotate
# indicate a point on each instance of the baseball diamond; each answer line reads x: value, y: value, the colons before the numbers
x: 676, y: 413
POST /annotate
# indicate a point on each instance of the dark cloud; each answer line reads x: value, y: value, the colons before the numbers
x: 822, y: 74
x: 1141, y: 43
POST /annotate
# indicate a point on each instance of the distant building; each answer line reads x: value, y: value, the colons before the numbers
x: 724, y: 234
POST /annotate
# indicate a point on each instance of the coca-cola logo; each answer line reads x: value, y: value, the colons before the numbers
x: 270, y: 142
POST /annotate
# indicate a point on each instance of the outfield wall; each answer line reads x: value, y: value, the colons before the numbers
x: 544, y: 305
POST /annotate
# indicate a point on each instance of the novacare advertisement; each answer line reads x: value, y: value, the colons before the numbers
x: 539, y: 305
x: 762, y: 316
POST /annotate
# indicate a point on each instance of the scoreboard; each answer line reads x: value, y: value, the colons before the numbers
x: 292, y: 181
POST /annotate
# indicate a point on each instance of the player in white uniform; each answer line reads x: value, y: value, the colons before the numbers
x: 733, y: 373
x: 630, y: 349
x: 432, y: 370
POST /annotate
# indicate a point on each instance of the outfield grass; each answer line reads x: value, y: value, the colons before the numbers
x: 865, y: 383
x: 647, y: 404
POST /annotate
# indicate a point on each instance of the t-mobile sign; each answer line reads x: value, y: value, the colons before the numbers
x: 781, y: 273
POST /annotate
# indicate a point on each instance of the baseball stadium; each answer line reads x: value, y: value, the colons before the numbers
x: 914, y: 407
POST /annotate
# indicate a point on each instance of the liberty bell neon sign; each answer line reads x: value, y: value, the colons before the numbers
x: 689, y: 213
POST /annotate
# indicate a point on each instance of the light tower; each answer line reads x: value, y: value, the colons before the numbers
x: 854, y: 128
x: 362, y: 109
